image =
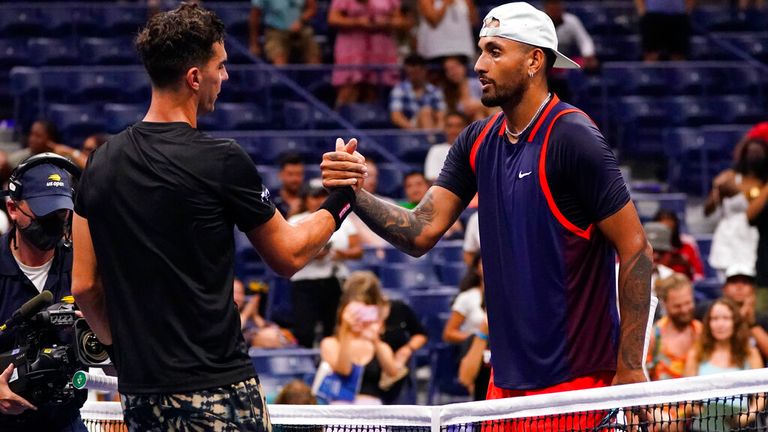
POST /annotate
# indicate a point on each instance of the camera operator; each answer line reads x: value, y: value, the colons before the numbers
x: 33, y: 258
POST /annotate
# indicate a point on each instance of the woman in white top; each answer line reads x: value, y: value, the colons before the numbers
x: 467, y: 313
x: 735, y: 241
x: 315, y: 289
x: 445, y: 28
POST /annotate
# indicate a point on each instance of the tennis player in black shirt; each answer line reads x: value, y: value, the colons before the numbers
x: 154, y: 248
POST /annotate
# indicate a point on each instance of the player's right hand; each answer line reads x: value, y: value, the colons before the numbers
x: 344, y: 167
x: 10, y: 402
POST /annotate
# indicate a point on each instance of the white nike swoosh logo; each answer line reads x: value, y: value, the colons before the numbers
x: 522, y: 174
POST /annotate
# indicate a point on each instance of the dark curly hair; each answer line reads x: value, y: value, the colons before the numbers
x: 173, y: 42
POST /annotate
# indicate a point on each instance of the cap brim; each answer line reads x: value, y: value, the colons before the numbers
x: 44, y: 205
x: 563, y: 62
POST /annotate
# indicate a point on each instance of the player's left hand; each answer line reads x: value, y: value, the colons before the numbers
x: 629, y: 376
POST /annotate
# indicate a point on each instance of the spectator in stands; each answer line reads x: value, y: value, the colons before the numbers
x: 445, y: 29
x: 472, y: 240
x: 287, y: 30
x: 288, y: 199
x: 740, y: 288
x: 573, y: 41
x: 755, y: 161
x: 357, y: 342
x: 684, y: 244
x: 467, y: 314
x: 257, y: 331
x: 403, y: 331
x: 296, y: 392
x: 79, y: 156
x: 42, y: 134
x: 364, y: 37
x: 475, y: 365
x: 665, y: 28
x: 415, y: 186
x: 33, y: 259
x: 315, y: 289
x: 734, y: 241
x: 675, y: 333
x: 433, y: 163
x: 462, y: 93
x: 664, y: 253
x: 415, y: 103
x: 724, y: 343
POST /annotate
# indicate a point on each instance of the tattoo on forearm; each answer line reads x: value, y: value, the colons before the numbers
x: 634, y: 301
x: 397, y: 225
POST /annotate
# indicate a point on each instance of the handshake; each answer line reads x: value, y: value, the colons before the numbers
x: 344, y: 166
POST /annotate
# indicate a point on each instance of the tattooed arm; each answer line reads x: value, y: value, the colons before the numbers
x: 623, y: 229
x: 412, y: 231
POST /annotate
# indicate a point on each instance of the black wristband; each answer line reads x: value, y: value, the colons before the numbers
x: 340, y: 203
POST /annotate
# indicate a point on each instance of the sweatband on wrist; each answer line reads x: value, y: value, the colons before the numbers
x: 481, y: 335
x: 340, y: 203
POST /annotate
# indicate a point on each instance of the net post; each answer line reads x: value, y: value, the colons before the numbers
x: 436, y: 413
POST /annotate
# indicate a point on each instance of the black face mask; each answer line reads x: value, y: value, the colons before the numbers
x: 44, y: 233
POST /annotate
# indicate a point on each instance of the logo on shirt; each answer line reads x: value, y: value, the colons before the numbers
x: 54, y: 180
x: 265, y: 195
x: 522, y: 174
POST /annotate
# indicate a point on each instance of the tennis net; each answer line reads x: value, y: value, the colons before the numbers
x: 733, y: 401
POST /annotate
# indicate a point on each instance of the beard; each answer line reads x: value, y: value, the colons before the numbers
x: 509, y: 95
x: 681, y: 321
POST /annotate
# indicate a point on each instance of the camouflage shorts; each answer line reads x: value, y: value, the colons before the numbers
x: 236, y: 407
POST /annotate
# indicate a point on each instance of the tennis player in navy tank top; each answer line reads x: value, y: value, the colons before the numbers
x: 554, y: 213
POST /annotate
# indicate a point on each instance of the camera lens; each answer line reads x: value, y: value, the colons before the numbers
x: 92, y: 349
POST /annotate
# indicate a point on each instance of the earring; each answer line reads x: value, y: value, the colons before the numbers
x: 530, y: 74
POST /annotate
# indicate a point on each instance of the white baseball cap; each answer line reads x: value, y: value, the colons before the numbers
x: 523, y: 23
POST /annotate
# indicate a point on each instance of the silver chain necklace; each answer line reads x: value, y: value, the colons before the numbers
x: 515, y: 136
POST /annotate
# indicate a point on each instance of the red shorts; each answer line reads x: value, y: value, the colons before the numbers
x: 550, y: 423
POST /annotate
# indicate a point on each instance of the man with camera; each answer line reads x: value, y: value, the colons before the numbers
x: 34, y: 258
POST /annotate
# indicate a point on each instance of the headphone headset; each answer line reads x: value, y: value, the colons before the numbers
x: 15, y: 185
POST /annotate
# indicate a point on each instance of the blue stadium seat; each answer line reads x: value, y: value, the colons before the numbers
x: 390, y: 180
x: 270, y: 176
x: 392, y: 255
x: 649, y: 204
x: 451, y: 273
x: 238, y: 116
x: 98, y: 86
x: 21, y: 20
x: 268, y: 150
x: 448, y: 251
x: 75, y: 121
x: 121, y: 19
x: 642, y: 111
x: 644, y: 80
x: 235, y: 17
x: 704, y: 241
x: 618, y: 48
x: 692, y: 80
x: 444, y: 381
x: 432, y: 301
x: 739, y: 109
x: 119, y: 116
x: 68, y: 20
x: 53, y: 51
x: 277, y: 367
x: 744, y: 80
x: 108, y: 51
x: 408, y: 147
x: 13, y: 52
x: 755, y: 44
x: 366, y: 115
x: 24, y: 81
x: 403, y: 277
x: 691, y: 111
x: 707, y: 290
